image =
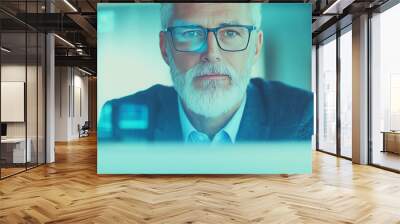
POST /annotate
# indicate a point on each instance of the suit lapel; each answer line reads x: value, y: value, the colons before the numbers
x: 167, y: 126
x: 254, y: 124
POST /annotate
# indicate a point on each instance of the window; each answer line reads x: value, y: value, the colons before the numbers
x: 327, y: 95
x: 385, y: 88
x: 346, y: 92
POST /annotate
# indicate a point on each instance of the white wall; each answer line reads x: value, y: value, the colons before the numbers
x: 61, y: 103
x: 80, y: 84
x: 71, y: 93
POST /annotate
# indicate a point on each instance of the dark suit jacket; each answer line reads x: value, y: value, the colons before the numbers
x: 273, y: 111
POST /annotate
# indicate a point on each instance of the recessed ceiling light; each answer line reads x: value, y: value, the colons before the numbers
x: 337, y: 7
x: 5, y: 50
x: 64, y: 40
x: 70, y: 5
x: 84, y: 71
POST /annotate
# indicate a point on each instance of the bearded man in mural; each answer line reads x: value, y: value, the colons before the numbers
x: 211, y: 49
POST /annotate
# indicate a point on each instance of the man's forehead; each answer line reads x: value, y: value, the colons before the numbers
x: 182, y: 22
x: 210, y: 13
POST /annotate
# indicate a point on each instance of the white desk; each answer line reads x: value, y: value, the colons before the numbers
x: 18, y: 150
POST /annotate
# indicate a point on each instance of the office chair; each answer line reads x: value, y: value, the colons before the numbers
x: 84, y: 130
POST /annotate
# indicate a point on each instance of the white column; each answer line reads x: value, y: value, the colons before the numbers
x: 360, y: 90
x: 50, y: 109
x: 50, y: 92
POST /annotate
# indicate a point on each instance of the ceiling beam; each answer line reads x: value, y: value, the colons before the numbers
x: 82, y: 61
x: 86, y: 26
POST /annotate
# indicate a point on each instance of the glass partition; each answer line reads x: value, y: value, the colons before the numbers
x: 31, y: 100
x: 327, y: 95
x: 41, y: 107
x: 14, y: 152
x: 22, y: 91
x: 346, y: 92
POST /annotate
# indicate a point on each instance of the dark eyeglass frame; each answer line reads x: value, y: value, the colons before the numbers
x: 215, y: 30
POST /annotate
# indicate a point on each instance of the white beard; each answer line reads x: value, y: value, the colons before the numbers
x: 214, y: 98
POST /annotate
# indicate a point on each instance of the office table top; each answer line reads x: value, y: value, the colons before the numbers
x: 391, y: 132
x: 13, y: 140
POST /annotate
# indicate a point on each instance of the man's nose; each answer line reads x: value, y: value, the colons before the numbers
x: 212, y: 53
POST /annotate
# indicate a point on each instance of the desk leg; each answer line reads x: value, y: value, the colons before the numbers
x: 384, y: 142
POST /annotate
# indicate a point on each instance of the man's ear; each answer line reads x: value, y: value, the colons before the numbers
x: 163, y: 46
x: 259, y: 44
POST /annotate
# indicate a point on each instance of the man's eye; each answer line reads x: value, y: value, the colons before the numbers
x: 231, y: 33
x: 192, y: 33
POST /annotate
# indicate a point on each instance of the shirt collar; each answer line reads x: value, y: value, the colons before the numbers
x: 231, y: 128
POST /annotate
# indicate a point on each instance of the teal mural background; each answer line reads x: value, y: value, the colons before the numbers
x: 287, y: 43
x: 129, y: 60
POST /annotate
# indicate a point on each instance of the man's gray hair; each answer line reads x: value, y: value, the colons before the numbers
x: 168, y: 8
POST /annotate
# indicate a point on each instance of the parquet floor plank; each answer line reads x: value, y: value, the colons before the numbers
x: 70, y: 191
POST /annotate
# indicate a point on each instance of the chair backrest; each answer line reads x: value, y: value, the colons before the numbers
x: 86, y: 125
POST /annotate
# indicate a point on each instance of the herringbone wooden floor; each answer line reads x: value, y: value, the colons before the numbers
x: 70, y: 191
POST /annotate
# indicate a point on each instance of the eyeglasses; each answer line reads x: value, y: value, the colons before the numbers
x: 194, y: 38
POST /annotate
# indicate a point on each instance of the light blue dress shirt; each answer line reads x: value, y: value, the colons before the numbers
x: 226, y: 135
